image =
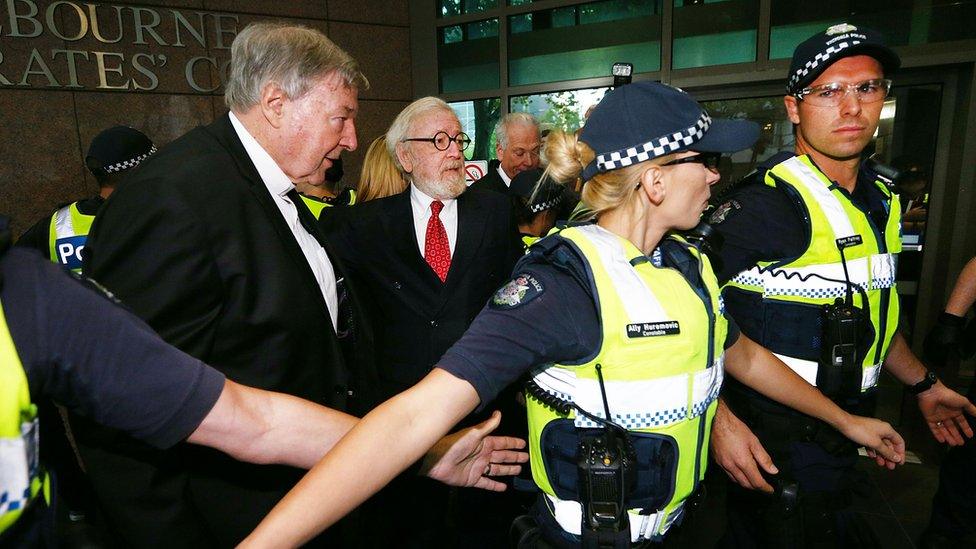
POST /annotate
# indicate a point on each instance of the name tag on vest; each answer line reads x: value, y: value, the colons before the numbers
x: 848, y: 241
x: 69, y: 249
x: 653, y: 329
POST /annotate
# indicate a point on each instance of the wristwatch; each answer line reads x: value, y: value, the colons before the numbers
x: 927, y: 382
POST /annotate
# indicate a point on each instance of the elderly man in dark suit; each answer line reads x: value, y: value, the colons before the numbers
x: 516, y: 148
x: 428, y: 259
x: 211, y: 244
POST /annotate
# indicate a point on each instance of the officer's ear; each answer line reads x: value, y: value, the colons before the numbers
x: 792, y: 105
x: 652, y: 184
x: 272, y: 103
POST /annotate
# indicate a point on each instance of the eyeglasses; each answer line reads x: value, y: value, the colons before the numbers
x: 831, y: 94
x: 442, y: 141
x: 709, y: 160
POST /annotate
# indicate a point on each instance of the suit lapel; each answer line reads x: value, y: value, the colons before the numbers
x: 472, y: 217
x: 257, y: 188
x: 402, y: 233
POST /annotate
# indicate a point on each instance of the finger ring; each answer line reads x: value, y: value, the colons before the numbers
x: 938, y: 423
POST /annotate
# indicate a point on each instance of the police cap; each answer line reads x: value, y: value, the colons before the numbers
x: 821, y: 50
x: 118, y: 149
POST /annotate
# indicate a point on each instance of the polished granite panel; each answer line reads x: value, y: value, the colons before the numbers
x: 383, y: 54
x: 42, y: 160
x: 377, y: 12
x: 161, y: 117
x: 311, y: 9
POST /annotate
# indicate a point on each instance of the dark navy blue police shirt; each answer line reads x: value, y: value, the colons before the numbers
x: 85, y: 352
x: 553, y: 320
x: 762, y: 223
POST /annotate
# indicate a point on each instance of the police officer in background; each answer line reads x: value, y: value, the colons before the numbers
x: 810, y: 249
x: 535, y: 202
x: 322, y: 189
x: 62, y: 235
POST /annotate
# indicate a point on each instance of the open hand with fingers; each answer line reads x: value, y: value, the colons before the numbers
x: 945, y: 412
x: 471, y: 458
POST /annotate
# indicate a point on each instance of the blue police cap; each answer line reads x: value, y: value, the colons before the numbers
x: 823, y: 49
x: 644, y: 120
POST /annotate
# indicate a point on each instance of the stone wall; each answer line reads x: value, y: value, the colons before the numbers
x: 70, y: 69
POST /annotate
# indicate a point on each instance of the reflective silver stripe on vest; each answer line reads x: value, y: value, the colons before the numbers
x: 630, y: 405
x: 807, y: 369
x: 19, y: 466
x: 569, y: 515
x: 831, y: 206
x: 870, y: 273
x: 63, y: 226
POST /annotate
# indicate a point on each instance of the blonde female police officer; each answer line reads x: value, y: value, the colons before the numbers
x: 627, y: 346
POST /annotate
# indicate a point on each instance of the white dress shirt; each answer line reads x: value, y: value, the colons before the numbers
x: 278, y: 186
x: 505, y: 177
x: 420, y: 203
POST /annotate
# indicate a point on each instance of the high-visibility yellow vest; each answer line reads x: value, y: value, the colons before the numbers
x: 68, y: 235
x: 21, y: 477
x: 317, y: 206
x: 661, y: 359
x: 835, y: 224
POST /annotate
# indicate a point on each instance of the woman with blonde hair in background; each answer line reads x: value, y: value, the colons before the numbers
x: 380, y: 177
x: 622, y: 329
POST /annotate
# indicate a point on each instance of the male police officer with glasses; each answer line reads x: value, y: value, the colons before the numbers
x: 809, y: 256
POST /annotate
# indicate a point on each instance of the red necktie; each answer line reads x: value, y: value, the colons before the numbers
x: 437, y: 251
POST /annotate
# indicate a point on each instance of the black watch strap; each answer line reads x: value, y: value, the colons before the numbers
x: 927, y: 382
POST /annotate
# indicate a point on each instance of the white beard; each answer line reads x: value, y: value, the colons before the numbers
x: 445, y: 189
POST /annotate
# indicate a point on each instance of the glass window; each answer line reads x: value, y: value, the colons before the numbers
x: 583, y: 41
x: 716, y: 32
x: 775, y: 134
x: 459, y: 7
x: 478, y: 119
x: 902, y: 22
x: 565, y: 110
x: 467, y: 56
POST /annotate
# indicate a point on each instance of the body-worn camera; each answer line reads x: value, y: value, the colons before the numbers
x: 607, y: 473
x: 839, y: 372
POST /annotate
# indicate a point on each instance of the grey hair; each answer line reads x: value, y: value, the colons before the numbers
x: 403, y: 124
x: 292, y: 56
x: 509, y: 120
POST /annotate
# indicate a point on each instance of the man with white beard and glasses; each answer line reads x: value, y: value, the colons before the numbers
x: 427, y: 260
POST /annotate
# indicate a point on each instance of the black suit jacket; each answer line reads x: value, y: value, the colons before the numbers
x: 416, y: 317
x: 194, y: 244
x: 492, y: 181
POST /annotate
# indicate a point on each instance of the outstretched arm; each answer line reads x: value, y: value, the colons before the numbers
x: 386, y: 442
x: 758, y: 368
x: 264, y: 427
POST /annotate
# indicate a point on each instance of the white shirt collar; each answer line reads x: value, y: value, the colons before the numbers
x: 274, y: 178
x: 421, y: 201
x: 505, y: 177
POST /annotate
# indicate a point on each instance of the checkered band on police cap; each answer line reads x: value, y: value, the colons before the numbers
x: 814, y: 55
x: 646, y: 120
x: 130, y: 163
x: 659, y: 146
x: 118, y: 149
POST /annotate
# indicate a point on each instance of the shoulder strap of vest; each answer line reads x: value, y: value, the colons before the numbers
x: 559, y: 252
x: 677, y: 253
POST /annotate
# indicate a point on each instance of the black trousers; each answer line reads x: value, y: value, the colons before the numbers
x: 953, y: 522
